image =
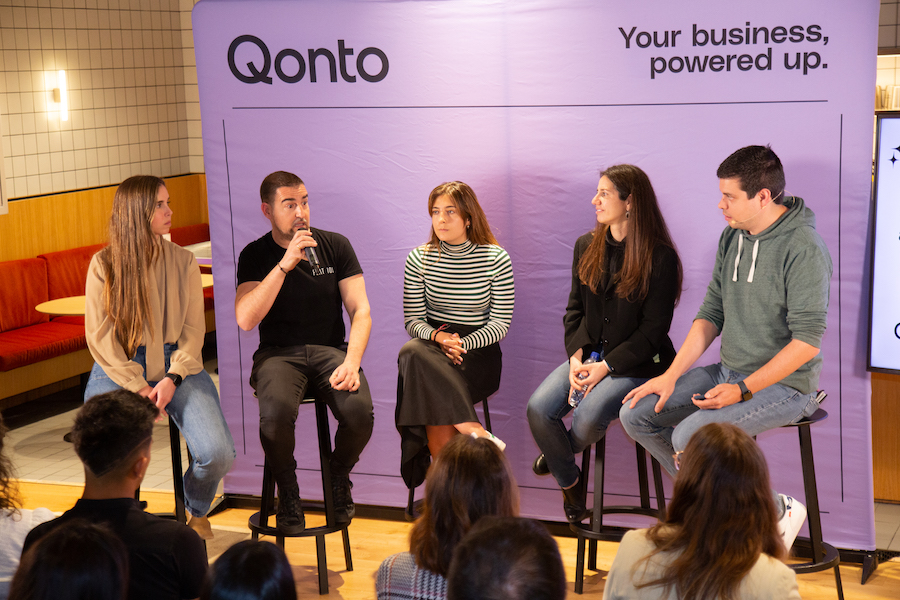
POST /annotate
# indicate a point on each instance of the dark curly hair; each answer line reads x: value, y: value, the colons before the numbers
x: 110, y: 427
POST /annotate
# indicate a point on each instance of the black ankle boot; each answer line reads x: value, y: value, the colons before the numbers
x: 574, y: 503
x: 290, y: 519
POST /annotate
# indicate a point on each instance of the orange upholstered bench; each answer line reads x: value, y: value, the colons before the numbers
x: 35, y: 350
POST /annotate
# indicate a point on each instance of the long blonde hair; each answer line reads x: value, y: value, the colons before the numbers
x: 126, y: 260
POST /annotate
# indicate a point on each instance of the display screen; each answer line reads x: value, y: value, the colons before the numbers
x: 884, y: 316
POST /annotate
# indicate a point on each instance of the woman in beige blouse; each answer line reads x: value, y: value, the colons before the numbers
x: 145, y: 327
x: 720, y: 537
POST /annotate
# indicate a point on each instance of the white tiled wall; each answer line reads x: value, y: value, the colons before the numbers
x: 132, y: 92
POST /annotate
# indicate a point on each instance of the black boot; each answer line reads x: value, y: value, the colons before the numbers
x: 574, y: 501
x: 289, y: 519
x: 344, y: 509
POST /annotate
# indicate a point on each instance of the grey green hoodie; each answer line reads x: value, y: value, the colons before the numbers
x: 769, y: 289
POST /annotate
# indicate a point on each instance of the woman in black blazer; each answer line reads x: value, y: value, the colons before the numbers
x: 626, y: 280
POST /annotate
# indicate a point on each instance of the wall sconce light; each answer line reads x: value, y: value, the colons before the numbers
x: 61, y: 95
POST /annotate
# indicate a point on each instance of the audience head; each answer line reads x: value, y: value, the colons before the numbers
x: 250, y: 570
x: 76, y: 561
x: 463, y: 197
x: 8, y: 493
x: 507, y: 558
x: 722, y: 514
x: 469, y: 479
x: 757, y: 168
x: 273, y: 181
x: 112, y: 431
x: 724, y: 482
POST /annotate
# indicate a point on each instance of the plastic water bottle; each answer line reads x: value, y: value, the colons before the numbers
x: 578, y: 395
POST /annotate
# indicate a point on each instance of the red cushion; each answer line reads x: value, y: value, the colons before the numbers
x: 29, y: 345
x: 69, y: 319
x: 23, y: 285
x: 208, y: 299
x: 67, y: 270
x: 190, y: 234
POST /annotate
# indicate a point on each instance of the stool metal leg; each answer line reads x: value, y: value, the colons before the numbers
x: 579, y: 566
x: 177, y: 476
x: 660, y: 491
x: 321, y: 565
x: 810, y: 488
x: 643, y: 484
x: 348, y: 559
x: 487, y: 414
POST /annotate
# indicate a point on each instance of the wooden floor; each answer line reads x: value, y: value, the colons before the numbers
x: 373, y: 540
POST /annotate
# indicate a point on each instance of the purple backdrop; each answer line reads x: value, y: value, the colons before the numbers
x: 527, y: 101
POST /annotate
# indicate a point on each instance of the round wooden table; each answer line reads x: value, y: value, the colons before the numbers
x: 74, y: 305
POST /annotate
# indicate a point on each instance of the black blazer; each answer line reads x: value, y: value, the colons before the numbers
x: 634, y: 335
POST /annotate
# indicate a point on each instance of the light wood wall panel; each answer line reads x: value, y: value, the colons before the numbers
x: 885, y: 436
x: 62, y: 221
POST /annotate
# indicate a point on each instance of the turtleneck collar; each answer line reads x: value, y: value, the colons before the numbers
x: 458, y: 249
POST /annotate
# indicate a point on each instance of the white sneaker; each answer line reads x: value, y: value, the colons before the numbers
x: 792, y: 520
x: 500, y: 443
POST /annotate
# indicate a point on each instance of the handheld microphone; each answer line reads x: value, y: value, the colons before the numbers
x: 312, y: 257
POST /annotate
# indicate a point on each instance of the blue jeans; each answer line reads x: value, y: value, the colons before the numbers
x: 769, y: 408
x: 196, y: 411
x: 550, y: 403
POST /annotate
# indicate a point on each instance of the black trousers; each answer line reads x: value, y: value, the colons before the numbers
x: 282, y: 377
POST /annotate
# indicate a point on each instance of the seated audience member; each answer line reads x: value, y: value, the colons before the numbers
x: 112, y: 437
x: 15, y: 523
x: 76, y: 561
x: 720, y: 538
x: 507, y: 558
x: 469, y: 479
x: 250, y: 570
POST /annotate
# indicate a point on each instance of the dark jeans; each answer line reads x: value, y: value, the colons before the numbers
x: 282, y: 377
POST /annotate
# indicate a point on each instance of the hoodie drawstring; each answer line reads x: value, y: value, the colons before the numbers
x: 737, y: 259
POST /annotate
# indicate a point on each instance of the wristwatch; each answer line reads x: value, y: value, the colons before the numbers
x: 176, y: 378
x: 745, y: 393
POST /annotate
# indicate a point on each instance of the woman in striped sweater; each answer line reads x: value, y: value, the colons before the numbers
x: 458, y: 297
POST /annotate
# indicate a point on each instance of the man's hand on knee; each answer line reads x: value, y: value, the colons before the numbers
x: 724, y: 394
x: 345, y: 378
x: 661, y: 386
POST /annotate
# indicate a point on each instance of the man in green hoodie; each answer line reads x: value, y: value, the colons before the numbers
x: 768, y: 299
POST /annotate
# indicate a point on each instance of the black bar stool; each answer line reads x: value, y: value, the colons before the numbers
x: 824, y: 556
x: 595, y: 530
x: 411, y: 512
x: 177, y: 477
x: 259, y: 522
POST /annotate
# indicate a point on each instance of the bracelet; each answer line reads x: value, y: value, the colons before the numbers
x: 282, y: 268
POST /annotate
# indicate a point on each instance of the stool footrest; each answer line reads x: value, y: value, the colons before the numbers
x: 254, y: 525
x: 609, y: 533
x: 829, y: 561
